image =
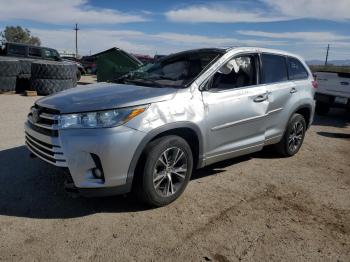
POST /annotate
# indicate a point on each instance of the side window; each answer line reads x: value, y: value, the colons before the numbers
x: 34, y: 52
x: 296, y: 70
x: 50, y: 54
x: 16, y: 50
x: 236, y: 73
x: 274, y: 68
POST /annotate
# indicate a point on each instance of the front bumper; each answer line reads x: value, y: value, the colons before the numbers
x: 73, y: 149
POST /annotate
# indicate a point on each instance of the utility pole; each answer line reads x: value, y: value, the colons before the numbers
x: 327, y: 55
x: 76, y: 29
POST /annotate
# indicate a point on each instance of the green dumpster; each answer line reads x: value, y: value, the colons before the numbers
x: 113, y: 63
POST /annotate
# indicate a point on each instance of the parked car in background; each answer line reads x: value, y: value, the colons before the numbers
x: 31, y: 53
x: 145, y: 59
x: 81, y: 68
x: 191, y: 109
x: 90, y: 64
x: 333, y: 91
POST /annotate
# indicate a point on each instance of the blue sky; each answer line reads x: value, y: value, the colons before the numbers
x: 154, y: 26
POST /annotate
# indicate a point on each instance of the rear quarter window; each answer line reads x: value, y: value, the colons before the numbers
x: 274, y: 68
x: 296, y: 70
x: 34, y: 52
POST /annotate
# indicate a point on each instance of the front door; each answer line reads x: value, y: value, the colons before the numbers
x: 236, y: 110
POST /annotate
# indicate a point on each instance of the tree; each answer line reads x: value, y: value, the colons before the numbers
x: 18, y: 34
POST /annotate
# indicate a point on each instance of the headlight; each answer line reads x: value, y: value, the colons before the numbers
x: 99, y: 119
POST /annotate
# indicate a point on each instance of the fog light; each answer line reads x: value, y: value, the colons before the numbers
x: 97, y: 173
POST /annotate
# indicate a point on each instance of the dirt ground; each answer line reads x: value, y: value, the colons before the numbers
x: 87, y: 79
x: 255, y: 208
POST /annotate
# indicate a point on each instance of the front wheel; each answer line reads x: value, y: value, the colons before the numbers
x: 166, y: 171
x: 293, y: 137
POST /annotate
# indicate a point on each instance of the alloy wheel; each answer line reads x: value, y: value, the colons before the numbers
x: 170, y: 171
x: 295, y: 136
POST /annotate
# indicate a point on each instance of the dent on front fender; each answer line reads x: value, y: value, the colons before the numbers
x: 184, y: 107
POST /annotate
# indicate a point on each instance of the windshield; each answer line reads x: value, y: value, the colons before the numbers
x: 177, y: 70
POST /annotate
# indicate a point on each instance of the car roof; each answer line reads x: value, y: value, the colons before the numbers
x: 237, y: 49
x: 263, y: 50
x: 22, y: 44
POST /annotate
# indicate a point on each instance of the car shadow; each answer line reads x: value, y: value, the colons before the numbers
x: 336, y: 118
x: 334, y: 135
x: 34, y: 189
x: 218, y: 168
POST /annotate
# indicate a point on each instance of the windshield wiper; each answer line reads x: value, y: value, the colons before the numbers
x: 167, y: 78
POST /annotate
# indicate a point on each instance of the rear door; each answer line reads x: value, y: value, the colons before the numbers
x: 280, y: 91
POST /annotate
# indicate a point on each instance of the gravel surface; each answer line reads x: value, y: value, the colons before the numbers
x: 255, y: 208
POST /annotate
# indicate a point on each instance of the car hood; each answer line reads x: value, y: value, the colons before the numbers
x: 103, y: 96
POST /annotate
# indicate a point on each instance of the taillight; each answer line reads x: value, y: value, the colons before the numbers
x: 314, y: 84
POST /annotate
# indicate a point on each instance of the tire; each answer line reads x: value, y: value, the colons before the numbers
x: 53, y: 70
x: 75, y: 82
x: 25, y: 66
x: 22, y: 83
x: 322, y: 109
x: 78, y: 75
x: 286, y: 147
x: 146, y: 187
x: 50, y: 86
x: 7, y: 83
x: 24, y: 76
x: 9, y: 67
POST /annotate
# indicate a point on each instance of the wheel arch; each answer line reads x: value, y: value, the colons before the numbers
x: 187, y: 130
x: 306, y: 111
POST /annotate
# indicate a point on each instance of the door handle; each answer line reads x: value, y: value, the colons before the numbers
x: 261, y: 98
x: 293, y: 90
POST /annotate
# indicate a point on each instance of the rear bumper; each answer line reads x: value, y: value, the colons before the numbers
x: 330, y: 100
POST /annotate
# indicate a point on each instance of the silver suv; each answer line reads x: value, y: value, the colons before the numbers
x: 149, y: 131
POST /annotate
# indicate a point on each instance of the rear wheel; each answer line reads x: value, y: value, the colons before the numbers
x: 322, y: 109
x: 166, y: 171
x: 293, y: 137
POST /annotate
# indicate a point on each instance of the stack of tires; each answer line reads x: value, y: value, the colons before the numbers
x: 49, y: 77
x: 23, y: 78
x: 9, y: 69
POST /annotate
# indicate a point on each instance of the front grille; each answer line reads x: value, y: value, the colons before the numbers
x: 42, y: 135
x: 45, y: 121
